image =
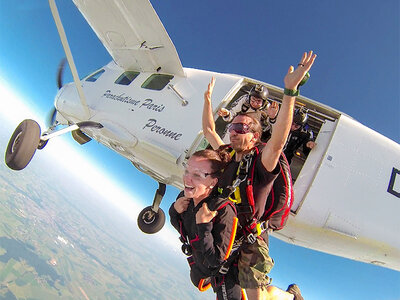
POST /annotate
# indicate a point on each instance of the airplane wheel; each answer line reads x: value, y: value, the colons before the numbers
x: 151, y: 222
x: 42, y: 144
x: 22, y: 145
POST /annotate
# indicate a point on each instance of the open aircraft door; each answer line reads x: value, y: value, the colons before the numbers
x: 309, y: 170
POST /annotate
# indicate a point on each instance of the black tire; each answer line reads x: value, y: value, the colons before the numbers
x: 150, y: 222
x: 22, y: 145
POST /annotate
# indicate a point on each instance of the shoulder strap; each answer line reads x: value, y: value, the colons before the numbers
x: 246, y: 170
x: 220, y: 203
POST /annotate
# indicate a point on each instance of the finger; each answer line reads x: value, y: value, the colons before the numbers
x: 303, y: 58
x: 307, y: 57
x: 212, y: 83
x: 291, y: 68
x: 310, y: 58
x: 311, y: 61
x: 180, y: 199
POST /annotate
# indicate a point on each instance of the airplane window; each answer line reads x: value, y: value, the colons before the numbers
x: 157, y: 81
x: 95, y: 76
x: 127, y: 77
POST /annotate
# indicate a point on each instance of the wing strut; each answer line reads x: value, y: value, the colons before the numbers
x: 68, y: 53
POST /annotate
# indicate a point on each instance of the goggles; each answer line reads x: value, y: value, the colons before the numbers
x: 195, y: 174
x: 240, y: 128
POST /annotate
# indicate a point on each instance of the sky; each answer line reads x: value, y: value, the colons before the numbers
x: 356, y: 71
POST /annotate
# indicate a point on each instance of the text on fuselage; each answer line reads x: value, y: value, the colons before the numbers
x: 145, y: 104
x: 153, y: 127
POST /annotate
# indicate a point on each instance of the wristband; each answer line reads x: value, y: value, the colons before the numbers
x: 304, y: 80
x: 291, y: 93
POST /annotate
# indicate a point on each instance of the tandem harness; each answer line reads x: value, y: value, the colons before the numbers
x: 277, y: 207
x: 241, y: 193
x: 279, y: 200
x: 203, y: 279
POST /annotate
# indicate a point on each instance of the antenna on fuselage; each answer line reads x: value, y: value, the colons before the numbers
x: 68, y: 54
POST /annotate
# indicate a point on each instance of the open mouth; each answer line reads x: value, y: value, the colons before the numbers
x: 188, y: 188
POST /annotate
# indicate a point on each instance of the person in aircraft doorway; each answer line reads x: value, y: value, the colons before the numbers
x: 300, y: 135
x: 244, y: 132
x: 255, y: 102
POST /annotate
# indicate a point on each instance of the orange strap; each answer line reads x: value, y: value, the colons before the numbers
x: 232, y: 239
x: 244, y: 297
x: 201, y: 287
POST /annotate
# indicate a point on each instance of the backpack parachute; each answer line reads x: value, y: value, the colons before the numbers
x: 281, y: 197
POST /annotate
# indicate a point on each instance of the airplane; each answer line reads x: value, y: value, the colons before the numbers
x: 146, y: 107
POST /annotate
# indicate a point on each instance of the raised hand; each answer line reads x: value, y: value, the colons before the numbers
x: 205, y: 215
x: 294, y: 76
x: 223, y: 112
x: 209, y: 91
x: 272, y: 110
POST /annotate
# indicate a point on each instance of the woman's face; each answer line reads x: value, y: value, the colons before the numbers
x: 196, y: 178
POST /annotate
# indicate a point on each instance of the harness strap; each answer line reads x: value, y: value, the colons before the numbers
x: 203, y: 287
x: 232, y: 239
x: 242, y: 188
x: 241, y: 244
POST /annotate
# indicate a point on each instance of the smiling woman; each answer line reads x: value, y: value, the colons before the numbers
x: 207, y: 224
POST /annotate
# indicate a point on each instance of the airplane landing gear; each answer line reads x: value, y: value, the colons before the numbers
x: 152, y: 218
x: 22, y: 145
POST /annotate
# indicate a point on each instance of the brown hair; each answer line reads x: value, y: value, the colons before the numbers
x: 218, y: 159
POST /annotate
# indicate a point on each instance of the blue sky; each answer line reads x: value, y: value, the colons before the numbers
x: 357, y: 72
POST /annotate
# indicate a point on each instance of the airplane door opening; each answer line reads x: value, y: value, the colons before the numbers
x: 321, y: 121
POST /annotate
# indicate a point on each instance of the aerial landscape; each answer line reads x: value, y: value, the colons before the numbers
x: 58, y: 241
x: 68, y: 225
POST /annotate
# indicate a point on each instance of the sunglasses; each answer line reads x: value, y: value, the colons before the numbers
x: 240, y: 128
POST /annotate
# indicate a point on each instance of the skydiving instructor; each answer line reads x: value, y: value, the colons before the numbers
x: 244, y: 136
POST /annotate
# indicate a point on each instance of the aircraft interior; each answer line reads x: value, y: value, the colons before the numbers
x: 317, y: 116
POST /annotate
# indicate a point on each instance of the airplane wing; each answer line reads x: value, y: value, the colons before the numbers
x: 133, y: 34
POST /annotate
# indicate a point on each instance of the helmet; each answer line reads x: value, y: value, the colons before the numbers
x: 259, y: 91
x: 300, y: 116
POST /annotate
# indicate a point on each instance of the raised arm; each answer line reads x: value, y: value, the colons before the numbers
x: 281, y: 129
x: 208, y: 119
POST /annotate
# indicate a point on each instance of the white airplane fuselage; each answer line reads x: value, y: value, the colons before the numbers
x: 346, y: 194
